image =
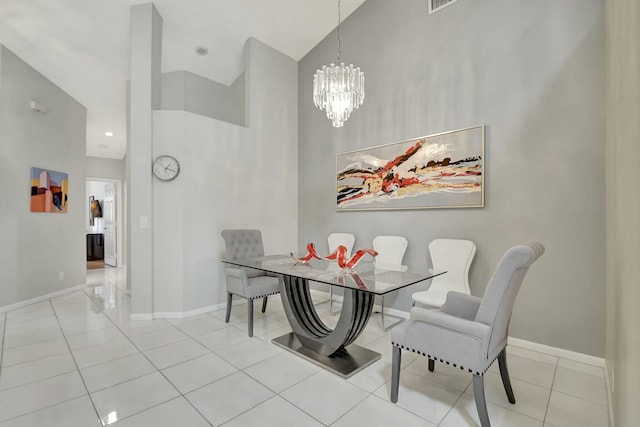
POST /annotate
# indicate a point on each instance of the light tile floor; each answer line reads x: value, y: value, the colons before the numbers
x: 77, y: 360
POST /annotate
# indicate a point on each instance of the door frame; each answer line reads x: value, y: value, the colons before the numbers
x: 119, y: 217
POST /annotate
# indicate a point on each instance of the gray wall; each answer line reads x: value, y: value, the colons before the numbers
x: 186, y: 91
x: 98, y: 167
x: 533, y: 73
x: 623, y: 208
x: 231, y: 177
x: 146, y: 50
x: 36, y: 247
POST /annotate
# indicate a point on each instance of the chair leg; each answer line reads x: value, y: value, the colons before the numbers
x: 481, y: 404
x: 383, y: 325
x: 228, y: 314
x: 250, y: 313
x: 504, y: 373
x: 264, y: 304
x: 432, y: 365
x: 395, y: 373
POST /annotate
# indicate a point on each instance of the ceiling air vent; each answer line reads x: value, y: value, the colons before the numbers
x: 436, y: 5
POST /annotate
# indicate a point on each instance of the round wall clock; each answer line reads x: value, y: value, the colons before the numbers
x: 166, y: 168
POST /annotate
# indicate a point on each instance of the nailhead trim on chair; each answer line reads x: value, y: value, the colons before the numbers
x: 265, y: 295
x: 435, y: 358
x: 258, y: 297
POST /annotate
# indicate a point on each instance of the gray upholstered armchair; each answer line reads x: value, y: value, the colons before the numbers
x: 468, y: 332
x: 248, y: 283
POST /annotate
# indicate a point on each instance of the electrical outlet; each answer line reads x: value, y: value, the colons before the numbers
x: 61, y: 275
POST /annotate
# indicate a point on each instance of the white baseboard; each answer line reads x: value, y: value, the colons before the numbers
x: 184, y: 314
x: 528, y: 345
x: 392, y: 311
x: 196, y: 312
x: 517, y: 342
x: 41, y: 298
x: 610, y: 388
x: 141, y: 316
x: 558, y: 352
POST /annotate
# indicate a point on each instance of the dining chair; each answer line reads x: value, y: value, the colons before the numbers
x: 455, y: 257
x: 334, y: 240
x: 247, y: 282
x: 391, y: 251
x: 468, y: 332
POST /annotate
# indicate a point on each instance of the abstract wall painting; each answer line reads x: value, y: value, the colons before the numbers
x: 49, y: 191
x: 444, y: 170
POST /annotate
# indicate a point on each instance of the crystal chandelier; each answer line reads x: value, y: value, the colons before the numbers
x: 338, y: 89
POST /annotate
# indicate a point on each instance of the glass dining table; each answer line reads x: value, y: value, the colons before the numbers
x: 312, y: 339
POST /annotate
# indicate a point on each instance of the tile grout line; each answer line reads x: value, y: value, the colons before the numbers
x: 581, y: 398
x: 74, y: 360
x: 546, y: 409
x: 303, y: 410
x: 368, y: 393
x: 279, y: 394
x: 241, y: 370
x: 180, y: 394
x: 454, y: 404
x: 53, y: 376
x: 209, y: 351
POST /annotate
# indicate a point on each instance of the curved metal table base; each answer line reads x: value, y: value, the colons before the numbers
x: 313, y: 340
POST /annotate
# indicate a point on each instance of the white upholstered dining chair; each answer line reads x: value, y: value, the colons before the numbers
x: 334, y: 240
x: 391, y: 251
x: 468, y: 332
x: 455, y: 257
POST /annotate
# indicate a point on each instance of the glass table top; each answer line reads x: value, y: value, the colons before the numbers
x: 366, y: 276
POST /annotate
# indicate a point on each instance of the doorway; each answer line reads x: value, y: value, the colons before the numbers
x: 102, y: 225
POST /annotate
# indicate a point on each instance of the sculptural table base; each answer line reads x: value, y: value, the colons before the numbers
x: 352, y: 361
x: 311, y: 339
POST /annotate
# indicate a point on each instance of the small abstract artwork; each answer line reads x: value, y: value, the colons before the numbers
x: 49, y: 191
x: 95, y: 210
x: 445, y: 170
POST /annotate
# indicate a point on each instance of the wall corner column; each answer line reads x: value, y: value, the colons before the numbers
x: 146, y: 50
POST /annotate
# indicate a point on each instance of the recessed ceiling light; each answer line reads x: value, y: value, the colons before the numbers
x: 103, y: 146
x: 108, y: 133
x: 201, y: 50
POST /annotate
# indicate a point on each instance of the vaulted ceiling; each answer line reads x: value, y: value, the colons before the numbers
x: 83, y: 45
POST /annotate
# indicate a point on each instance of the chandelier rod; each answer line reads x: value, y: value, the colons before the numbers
x: 339, y: 19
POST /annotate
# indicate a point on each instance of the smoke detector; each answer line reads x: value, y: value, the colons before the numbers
x: 201, y: 50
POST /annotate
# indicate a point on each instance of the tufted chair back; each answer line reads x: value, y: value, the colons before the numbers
x: 247, y: 282
x: 500, y: 294
x: 244, y: 244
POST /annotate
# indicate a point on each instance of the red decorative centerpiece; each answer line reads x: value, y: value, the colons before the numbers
x: 340, y: 255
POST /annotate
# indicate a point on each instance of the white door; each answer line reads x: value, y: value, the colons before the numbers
x: 109, y: 215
